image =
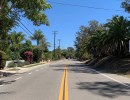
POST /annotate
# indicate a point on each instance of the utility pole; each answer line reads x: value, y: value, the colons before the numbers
x: 59, y: 42
x: 55, y: 32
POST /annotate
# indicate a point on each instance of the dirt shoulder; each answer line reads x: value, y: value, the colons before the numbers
x: 117, y: 65
x: 11, y: 71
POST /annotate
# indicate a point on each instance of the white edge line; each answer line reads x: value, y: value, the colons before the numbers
x: 1, y: 85
x: 18, y: 78
x: 29, y: 73
x: 110, y: 78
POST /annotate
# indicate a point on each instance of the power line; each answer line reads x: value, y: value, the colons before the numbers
x: 26, y: 28
x: 30, y: 24
x: 83, y: 6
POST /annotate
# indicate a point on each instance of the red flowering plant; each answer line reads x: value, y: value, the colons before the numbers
x: 28, y: 54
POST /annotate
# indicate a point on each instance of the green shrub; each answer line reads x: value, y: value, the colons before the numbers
x: 3, y: 59
x: 19, y: 64
x: 26, y: 63
x: 37, y: 54
x: 47, y: 56
x: 11, y: 64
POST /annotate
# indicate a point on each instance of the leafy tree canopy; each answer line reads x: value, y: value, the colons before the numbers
x: 31, y: 9
x: 126, y: 5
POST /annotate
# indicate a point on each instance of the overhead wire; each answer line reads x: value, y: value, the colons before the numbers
x: 24, y: 30
x: 27, y: 22
x: 90, y: 7
x: 25, y: 27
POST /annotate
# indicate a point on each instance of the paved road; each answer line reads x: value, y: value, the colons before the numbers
x: 68, y: 79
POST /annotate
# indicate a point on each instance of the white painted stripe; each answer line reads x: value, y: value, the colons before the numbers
x: 1, y: 85
x: 29, y: 73
x: 110, y: 78
x: 18, y: 78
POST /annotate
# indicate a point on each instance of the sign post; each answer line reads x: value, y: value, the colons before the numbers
x: 129, y: 45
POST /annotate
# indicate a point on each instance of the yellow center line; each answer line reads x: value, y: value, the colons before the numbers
x: 66, y: 84
x: 63, y: 95
x: 61, y: 87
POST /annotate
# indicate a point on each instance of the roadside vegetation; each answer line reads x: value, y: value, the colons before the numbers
x: 16, y: 46
x: 107, y: 45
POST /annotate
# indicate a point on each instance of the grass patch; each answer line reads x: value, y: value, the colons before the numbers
x: 13, y: 69
x: 32, y: 65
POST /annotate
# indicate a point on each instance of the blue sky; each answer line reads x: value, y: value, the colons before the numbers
x: 67, y: 19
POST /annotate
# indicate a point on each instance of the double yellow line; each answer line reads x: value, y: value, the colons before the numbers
x: 63, y: 95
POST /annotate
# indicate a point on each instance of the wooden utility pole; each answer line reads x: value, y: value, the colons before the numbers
x: 55, y: 32
x: 59, y: 42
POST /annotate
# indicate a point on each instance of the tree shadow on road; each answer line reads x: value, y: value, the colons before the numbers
x: 59, y: 67
x: 107, y: 89
x: 6, y: 93
x: 2, y: 82
x: 77, y: 68
x: 80, y: 68
x: 6, y: 74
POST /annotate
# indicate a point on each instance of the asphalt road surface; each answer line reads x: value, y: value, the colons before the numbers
x: 63, y: 80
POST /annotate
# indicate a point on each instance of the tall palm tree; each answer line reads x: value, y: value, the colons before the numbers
x: 118, y: 35
x: 38, y: 36
x: 15, y: 42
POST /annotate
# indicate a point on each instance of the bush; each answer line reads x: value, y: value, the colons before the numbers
x: 26, y: 63
x: 37, y: 54
x: 47, y: 56
x: 11, y: 64
x: 3, y: 58
x: 19, y: 64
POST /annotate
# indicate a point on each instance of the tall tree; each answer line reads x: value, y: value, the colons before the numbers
x: 12, y: 10
x: 15, y: 43
x: 38, y: 36
x: 126, y: 5
x: 118, y: 37
x: 71, y: 52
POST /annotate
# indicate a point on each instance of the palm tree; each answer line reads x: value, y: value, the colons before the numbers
x: 118, y: 35
x: 38, y: 36
x: 15, y: 42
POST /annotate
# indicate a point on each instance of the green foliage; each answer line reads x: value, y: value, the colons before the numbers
x: 3, y: 58
x: 37, y: 54
x: 48, y: 56
x: 126, y: 5
x: 15, y: 44
x: 82, y: 39
x: 71, y: 52
x: 118, y: 35
x: 12, y: 10
x: 38, y: 36
x: 11, y: 64
x: 27, y: 46
x: 112, y: 39
x: 18, y: 64
x: 64, y: 53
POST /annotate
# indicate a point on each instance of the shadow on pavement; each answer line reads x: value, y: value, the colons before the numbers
x: 80, y: 68
x: 2, y: 82
x: 5, y: 93
x: 107, y: 89
x: 58, y: 67
x: 6, y: 74
x: 77, y: 68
